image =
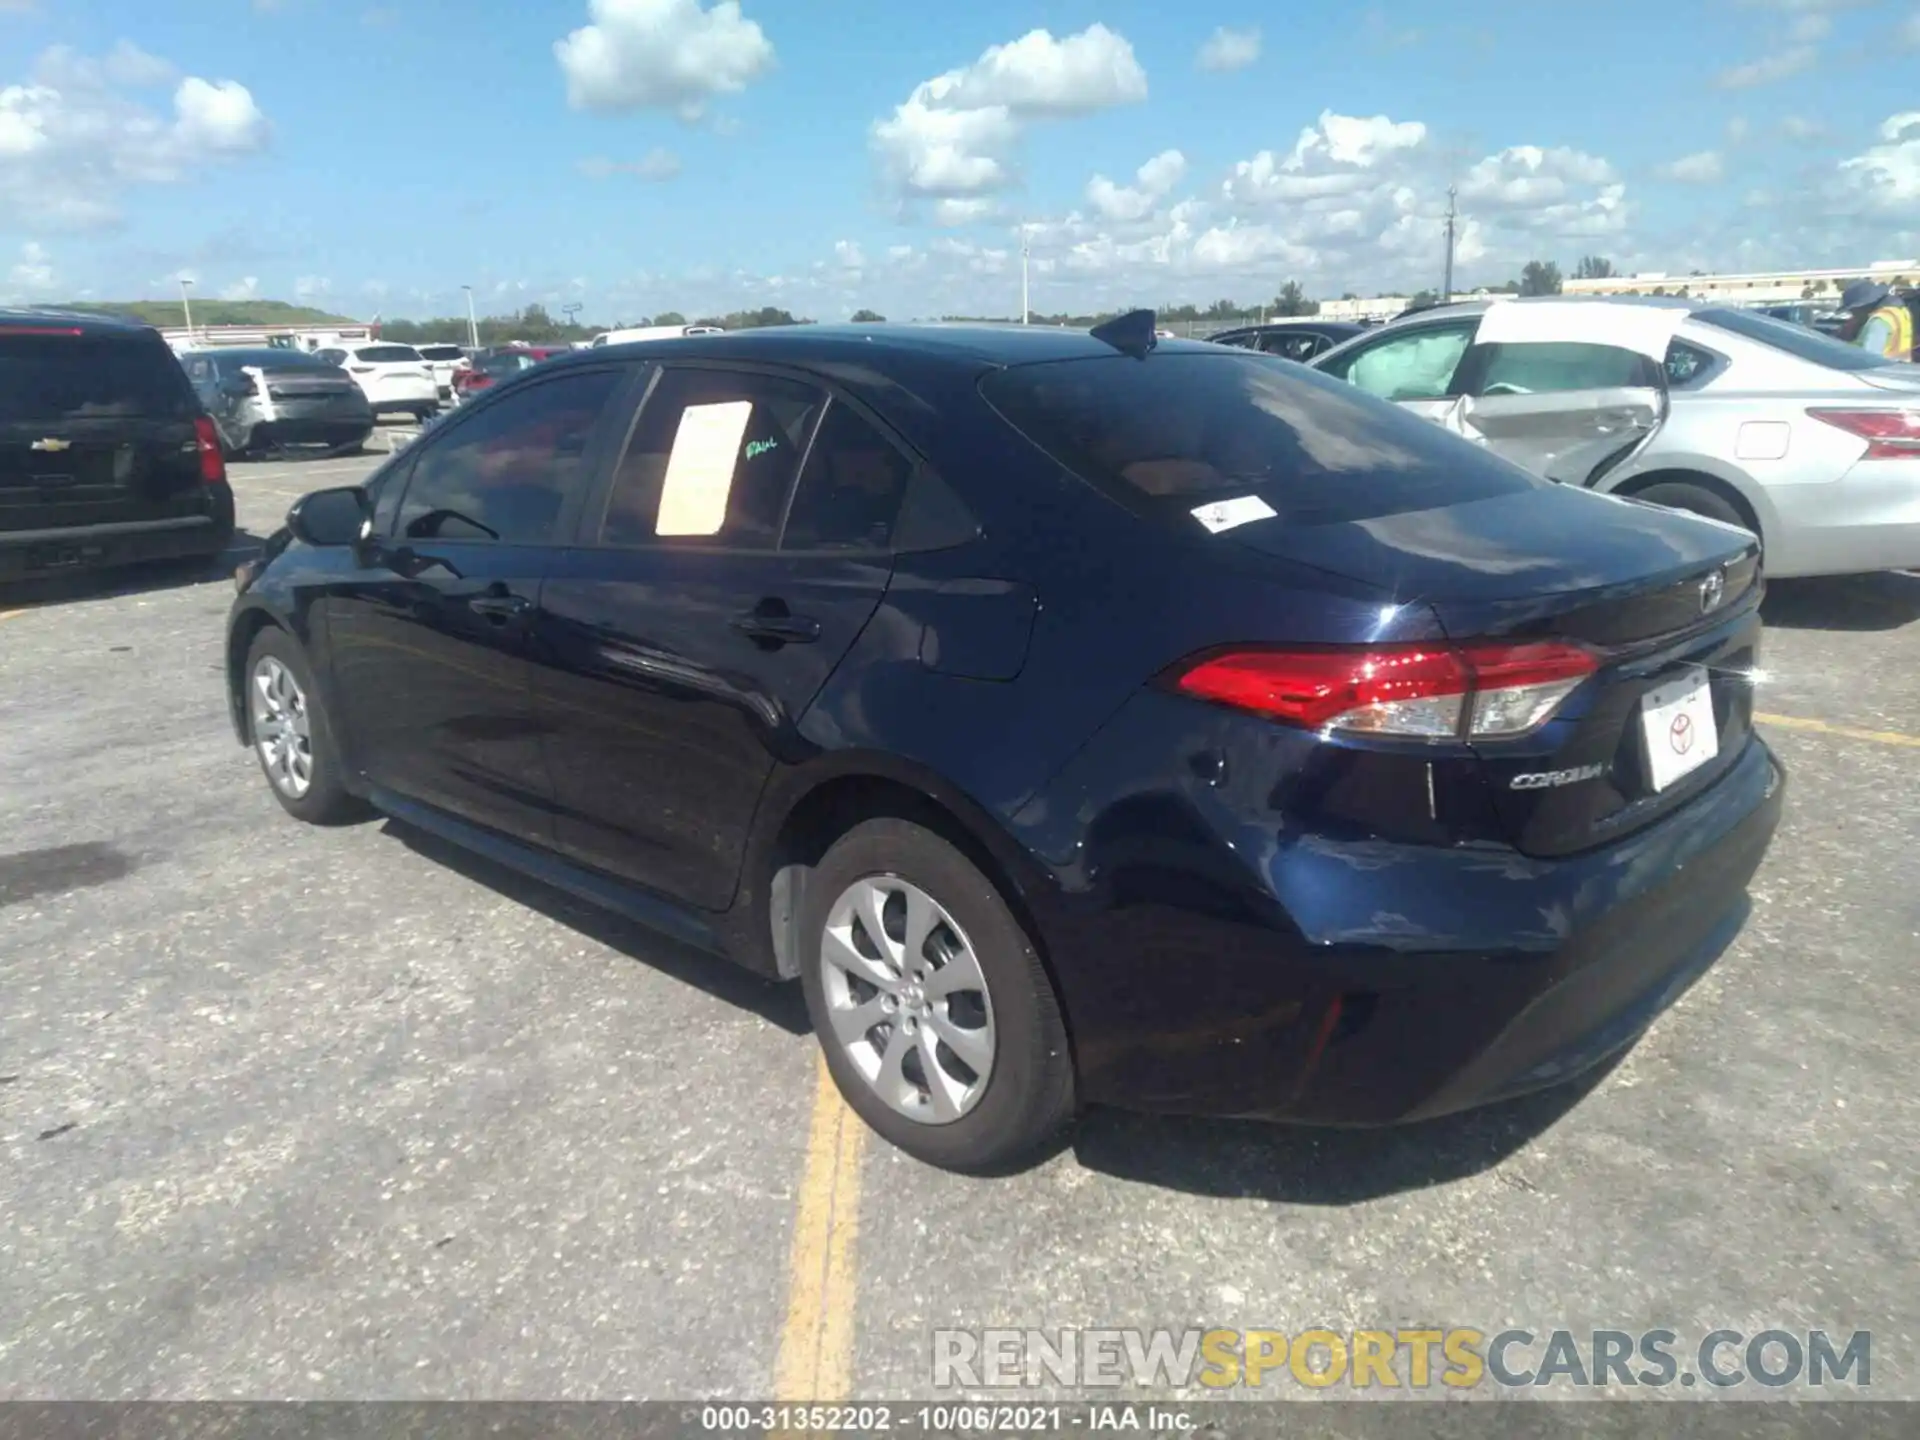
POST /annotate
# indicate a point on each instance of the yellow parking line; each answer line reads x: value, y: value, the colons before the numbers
x: 816, y: 1342
x: 1844, y: 732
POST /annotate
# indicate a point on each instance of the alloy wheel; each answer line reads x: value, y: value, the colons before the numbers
x: 907, y: 999
x: 280, y: 727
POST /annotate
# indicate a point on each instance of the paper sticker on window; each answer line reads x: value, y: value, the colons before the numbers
x: 1225, y: 514
x: 693, y: 496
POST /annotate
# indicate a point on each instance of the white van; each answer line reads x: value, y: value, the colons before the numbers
x: 654, y: 332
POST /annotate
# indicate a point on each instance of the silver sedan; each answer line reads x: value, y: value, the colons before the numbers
x: 1812, y: 444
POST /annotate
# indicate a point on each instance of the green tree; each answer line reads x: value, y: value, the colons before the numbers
x: 668, y: 317
x: 1292, y: 300
x: 867, y: 317
x: 1593, y: 267
x: 1540, y: 277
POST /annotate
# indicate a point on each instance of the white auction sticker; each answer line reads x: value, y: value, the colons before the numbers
x: 1225, y: 514
x: 706, y: 447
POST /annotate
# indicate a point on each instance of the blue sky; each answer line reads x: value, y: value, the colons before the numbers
x: 638, y: 155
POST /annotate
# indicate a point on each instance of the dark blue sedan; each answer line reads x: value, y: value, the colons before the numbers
x: 1079, y: 717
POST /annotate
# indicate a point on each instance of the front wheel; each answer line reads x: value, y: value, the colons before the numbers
x: 938, y: 1021
x: 291, y: 735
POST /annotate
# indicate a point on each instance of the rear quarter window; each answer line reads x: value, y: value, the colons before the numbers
x: 1174, y: 432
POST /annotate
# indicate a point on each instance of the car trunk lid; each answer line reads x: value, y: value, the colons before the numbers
x: 1662, y: 600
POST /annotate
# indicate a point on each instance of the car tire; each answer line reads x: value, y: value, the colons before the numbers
x: 308, y: 779
x: 1695, y: 500
x: 1011, y: 1021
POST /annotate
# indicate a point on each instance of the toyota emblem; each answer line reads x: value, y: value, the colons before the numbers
x: 1713, y: 590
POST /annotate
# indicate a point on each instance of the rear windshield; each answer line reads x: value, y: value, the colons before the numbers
x: 273, y: 360
x: 86, y: 377
x: 1173, y: 432
x: 439, y: 352
x: 386, y: 352
x: 1796, y: 340
x: 505, y: 364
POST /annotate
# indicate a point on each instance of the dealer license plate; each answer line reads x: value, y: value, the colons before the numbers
x: 1677, y: 719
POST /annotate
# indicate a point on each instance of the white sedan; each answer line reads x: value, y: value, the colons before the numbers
x: 393, y: 377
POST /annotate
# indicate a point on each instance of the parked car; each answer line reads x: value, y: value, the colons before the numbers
x: 394, y: 378
x: 447, y: 361
x: 270, y: 398
x: 1291, y: 339
x: 1337, y: 771
x: 106, y: 457
x: 1811, y: 444
x: 653, y: 332
x: 492, y: 366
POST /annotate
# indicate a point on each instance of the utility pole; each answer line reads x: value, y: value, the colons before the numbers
x: 186, y: 306
x: 1025, y: 250
x: 473, y: 325
x: 1446, y: 285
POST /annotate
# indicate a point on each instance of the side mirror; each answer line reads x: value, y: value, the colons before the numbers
x: 331, y: 517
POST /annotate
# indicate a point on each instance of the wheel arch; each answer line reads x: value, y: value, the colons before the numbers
x: 1740, y: 492
x: 806, y: 810
x: 241, y: 633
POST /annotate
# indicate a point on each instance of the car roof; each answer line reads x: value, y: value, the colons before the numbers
x: 251, y: 354
x: 12, y: 316
x: 1455, y: 308
x: 970, y: 345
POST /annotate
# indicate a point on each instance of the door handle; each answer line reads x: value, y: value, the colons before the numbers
x: 500, y: 608
x: 769, y: 623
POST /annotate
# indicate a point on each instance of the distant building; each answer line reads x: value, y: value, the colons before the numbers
x: 1759, y: 287
x: 293, y: 337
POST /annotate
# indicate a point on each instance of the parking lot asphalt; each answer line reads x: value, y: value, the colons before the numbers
x: 291, y: 1113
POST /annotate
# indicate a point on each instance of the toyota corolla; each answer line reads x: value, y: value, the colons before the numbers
x: 1079, y: 717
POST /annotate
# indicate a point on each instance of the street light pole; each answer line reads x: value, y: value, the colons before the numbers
x: 1025, y: 250
x: 1446, y: 285
x: 186, y: 307
x: 473, y: 325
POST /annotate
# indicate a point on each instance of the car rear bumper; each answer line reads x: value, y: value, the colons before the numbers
x: 1867, y: 520
x: 1400, y: 982
x: 33, y: 554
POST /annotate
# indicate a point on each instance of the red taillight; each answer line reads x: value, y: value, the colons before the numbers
x: 1890, y: 434
x: 213, y: 466
x: 1423, y: 692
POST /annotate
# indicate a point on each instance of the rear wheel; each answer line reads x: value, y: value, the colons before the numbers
x: 1695, y: 500
x: 291, y: 735
x: 939, y: 1023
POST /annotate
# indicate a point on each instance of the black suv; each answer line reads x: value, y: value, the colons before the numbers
x: 106, y: 457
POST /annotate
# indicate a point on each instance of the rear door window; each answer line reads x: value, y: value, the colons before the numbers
x: 1416, y: 365
x: 1554, y: 368
x: 1174, y: 435
x: 712, y: 460
x: 90, y: 377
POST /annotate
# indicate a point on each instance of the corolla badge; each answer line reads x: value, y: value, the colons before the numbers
x: 1713, y: 590
x: 52, y: 445
x: 1554, y: 779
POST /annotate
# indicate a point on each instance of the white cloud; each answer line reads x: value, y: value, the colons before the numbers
x: 1038, y: 75
x: 1152, y: 182
x: 953, y: 137
x: 656, y: 164
x: 1768, y: 68
x: 1910, y: 30
x: 1796, y: 127
x: 73, y: 139
x: 1886, y: 177
x: 1230, y: 49
x: 246, y: 289
x: 18, y: 7
x: 1703, y: 167
x: 311, y: 287
x: 955, y: 210
x: 661, y: 55
x: 1814, y: 25
x: 33, y: 274
x: 848, y: 255
x: 1739, y: 128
